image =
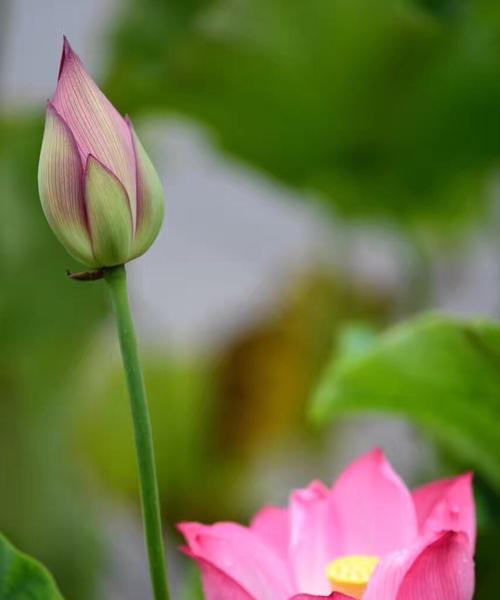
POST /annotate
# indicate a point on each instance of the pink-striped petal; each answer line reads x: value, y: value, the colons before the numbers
x: 373, y: 508
x: 243, y: 556
x: 150, y: 201
x: 440, y: 560
x: 447, y: 505
x: 217, y: 585
x: 443, y: 571
x: 60, y: 186
x: 386, y: 580
x: 313, y: 542
x: 272, y: 524
x: 98, y: 128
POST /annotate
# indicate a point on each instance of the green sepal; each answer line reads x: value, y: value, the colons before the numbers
x: 109, y: 215
x: 150, y: 200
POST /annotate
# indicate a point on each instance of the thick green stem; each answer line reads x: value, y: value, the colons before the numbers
x: 117, y: 280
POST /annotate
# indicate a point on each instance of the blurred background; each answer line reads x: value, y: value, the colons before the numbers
x: 331, y: 168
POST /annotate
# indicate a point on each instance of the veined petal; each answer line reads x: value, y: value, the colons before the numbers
x: 60, y: 186
x: 443, y: 571
x: 447, y: 505
x: 373, y: 507
x: 98, y: 128
x: 313, y: 541
x: 217, y: 585
x: 443, y: 564
x: 243, y: 556
x: 108, y: 213
x: 150, y: 200
x: 386, y: 580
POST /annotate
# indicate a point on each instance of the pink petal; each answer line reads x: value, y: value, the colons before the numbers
x: 434, y: 560
x: 334, y: 596
x: 390, y: 572
x: 60, y: 184
x: 373, y: 508
x: 272, y: 524
x: 447, y: 505
x: 313, y: 543
x: 217, y: 585
x: 242, y: 555
x: 443, y: 571
x: 97, y: 126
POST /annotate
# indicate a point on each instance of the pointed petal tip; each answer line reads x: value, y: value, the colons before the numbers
x: 375, y: 456
x: 131, y: 133
x: 191, y: 530
x: 66, y: 52
x: 316, y: 490
x: 378, y: 452
x: 91, y: 159
x: 448, y: 537
x: 466, y: 478
x: 51, y: 108
x: 447, y: 504
x: 374, y: 507
x: 186, y: 550
x: 94, y: 161
x: 184, y: 526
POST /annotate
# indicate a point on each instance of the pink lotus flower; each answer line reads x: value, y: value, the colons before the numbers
x: 99, y: 190
x: 365, y: 537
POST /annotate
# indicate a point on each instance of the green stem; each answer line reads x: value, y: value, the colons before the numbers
x: 117, y: 280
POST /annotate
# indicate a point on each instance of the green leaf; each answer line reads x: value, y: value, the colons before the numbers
x: 343, y: 99
x: 22, y: 577
x: 441, y: 372
x: 355, y: 340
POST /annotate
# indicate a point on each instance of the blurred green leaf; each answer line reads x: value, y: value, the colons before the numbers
x: 382, y: 107
x: 355, y: 340
x: 446, y: 8
x: 181, y: 404
x: 442, y: 372
x: 47, y: 323
x: 22, y: 577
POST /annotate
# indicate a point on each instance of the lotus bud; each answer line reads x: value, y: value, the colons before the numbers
x: 99, y: 190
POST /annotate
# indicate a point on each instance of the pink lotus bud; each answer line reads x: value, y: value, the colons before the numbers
x: 99, y: 190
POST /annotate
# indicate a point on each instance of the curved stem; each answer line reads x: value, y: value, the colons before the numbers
x: 117, y: 280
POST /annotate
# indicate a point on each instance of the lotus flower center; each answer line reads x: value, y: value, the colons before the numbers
x: 351, y: 574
